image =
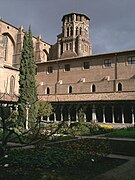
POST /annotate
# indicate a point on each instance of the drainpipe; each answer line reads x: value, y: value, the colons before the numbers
x: 57, y: 78
x: 116, y: 72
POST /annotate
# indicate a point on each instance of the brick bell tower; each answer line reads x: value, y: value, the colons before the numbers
x: 74, y: 39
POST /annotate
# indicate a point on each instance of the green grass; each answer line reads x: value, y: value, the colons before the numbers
x: 123, y: 133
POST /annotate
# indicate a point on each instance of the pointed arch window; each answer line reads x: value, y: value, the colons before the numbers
x: 5, y: 41
x: 8, y: 46
x: 67, y: 31
x: 93, y: 88
x: 119, y: 87
x: 71, y: 31
x: 12, y: 85
x: 70, y: 89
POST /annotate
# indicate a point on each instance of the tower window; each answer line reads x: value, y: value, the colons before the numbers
x: 71, y: 31
x: 67, y: 31
x: 93, y: 89
x: 76, y: 31
x: 67, y: 67
x: 61, y: 49
x: 86, y: 65
x: 119, y: 87
x: 80, y: 31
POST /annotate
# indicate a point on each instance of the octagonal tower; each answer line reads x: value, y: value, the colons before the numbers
x: 74, y: 39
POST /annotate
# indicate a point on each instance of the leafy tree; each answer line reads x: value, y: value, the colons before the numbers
x: 43, y: 108
x: 27, y: 83
x: 81, y: 116
x: 9, y: 126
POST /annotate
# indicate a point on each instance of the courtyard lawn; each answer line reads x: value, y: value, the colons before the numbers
x: 123, y: 133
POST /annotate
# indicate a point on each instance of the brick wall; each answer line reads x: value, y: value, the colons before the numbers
x: 82, y: 79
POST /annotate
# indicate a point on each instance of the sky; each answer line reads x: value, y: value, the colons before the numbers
x: 112, y: 22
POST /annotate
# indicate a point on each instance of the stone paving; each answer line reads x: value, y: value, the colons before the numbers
x: 125, y: 171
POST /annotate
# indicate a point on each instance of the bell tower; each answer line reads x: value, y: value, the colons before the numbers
x: 74, y: 39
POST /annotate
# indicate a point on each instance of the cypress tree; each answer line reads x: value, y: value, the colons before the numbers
x: 31, y: 77
x: 27, y: 83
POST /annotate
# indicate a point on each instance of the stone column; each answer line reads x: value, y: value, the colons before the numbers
x: 61, y: 116
x: 133, y: 116
x: 84, y: 117
x: 104, y: 115
x: 48, y: 119
x: 123, y: 120
x: 69, y: 119
x: 55, y: 117
x: 69, y: 116
x: 61, y: 113
x: 77, y: 116
x: 113, y: 120
x: 94, y: 113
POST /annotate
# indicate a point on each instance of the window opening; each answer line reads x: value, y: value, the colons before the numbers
x: 70, y: 89
x: 93, y: 88
x: 48, y: 90
x: 86, y: 65
x: 119, y: 87
x: 67, y: 67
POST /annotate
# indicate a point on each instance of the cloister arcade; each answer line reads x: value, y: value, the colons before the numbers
x: 103, y: 112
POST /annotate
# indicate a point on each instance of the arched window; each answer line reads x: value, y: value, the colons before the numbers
x: 9, y: 46
x: 70, y: 89
x: 71, y: 31
x: 45, y: 55
x: 119, y: 87
x: 93, y: 89
x: 12, y: 85
x: 48, y: 90
x: 67, y: 31
x: 5, y: 41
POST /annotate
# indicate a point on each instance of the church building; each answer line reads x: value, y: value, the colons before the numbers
x: 70, y: 76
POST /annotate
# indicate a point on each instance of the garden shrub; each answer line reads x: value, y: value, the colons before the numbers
x: 71, y: 153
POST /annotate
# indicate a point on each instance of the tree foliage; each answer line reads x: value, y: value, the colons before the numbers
x: 27, y: 82
x: 43, y: 108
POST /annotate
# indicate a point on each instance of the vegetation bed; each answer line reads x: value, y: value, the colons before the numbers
x: 57, y: 162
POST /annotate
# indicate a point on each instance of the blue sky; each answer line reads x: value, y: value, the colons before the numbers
x: 112, y: 22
